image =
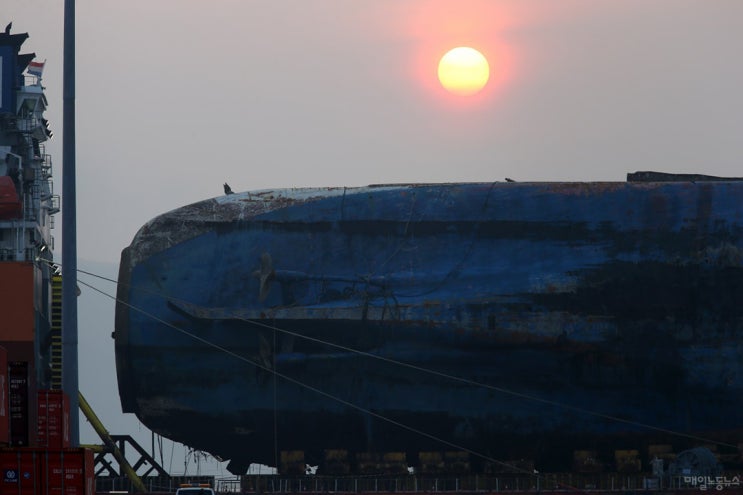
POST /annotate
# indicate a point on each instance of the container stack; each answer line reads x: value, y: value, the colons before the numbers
x: 35, y: 458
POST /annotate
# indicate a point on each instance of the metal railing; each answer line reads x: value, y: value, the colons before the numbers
x: 633, y: 483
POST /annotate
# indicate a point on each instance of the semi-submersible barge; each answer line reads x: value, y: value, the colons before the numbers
x: 510, y: 320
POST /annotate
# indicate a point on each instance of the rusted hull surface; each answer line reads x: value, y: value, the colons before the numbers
x: 591, y: 312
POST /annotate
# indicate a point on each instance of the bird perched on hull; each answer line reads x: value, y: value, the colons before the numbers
x: 227, y: 188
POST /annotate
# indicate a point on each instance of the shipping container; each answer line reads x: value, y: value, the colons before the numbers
x: 627, y: 461
x: 18, y: 296
x: 18, y: 372
x: 33, y: 471
x: 385, y: 462
x: 457, y: 462
x: 394, y: 462
x: 19, y: 350
x: 53, y: 419
x: 430, y: 462
x: 4, y: 392
x: 292, y: 462
x: 587, y: 461
x: 19, y: 472
x: 336, y: 461
x: 70, y: 472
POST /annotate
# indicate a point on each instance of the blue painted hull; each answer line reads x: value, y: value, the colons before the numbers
x: 512, y: 320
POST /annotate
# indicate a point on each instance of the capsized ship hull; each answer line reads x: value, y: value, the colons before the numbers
x: 516, y: 320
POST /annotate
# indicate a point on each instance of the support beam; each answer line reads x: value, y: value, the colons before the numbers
x: 69, y: 226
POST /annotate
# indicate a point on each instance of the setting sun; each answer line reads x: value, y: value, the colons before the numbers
x: 463, y: 71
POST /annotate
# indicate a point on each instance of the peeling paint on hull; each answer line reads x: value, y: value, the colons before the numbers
x: 621, y: 299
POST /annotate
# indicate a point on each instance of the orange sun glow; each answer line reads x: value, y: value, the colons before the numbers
x: 463, y: 71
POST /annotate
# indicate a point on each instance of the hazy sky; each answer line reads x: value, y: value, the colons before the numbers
x: 175, y: 97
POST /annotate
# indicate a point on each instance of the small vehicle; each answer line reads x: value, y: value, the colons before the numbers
x: 195, y: 489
